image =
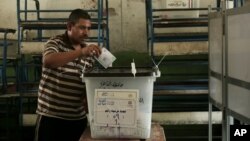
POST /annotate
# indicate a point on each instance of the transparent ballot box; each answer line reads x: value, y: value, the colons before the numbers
x: 120, y: 103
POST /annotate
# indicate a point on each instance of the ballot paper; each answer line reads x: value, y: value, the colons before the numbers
x: 106, y: 58
x: 116, y: 107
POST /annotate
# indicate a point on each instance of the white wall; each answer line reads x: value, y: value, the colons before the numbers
x: 8, y: 15
x: 127, y: 19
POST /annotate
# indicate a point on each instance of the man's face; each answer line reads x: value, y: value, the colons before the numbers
x: 79, y: 31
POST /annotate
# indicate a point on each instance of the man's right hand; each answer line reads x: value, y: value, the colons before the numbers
x: 91, y: 50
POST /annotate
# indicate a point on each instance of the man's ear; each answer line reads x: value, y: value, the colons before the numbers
x: 69, y: 25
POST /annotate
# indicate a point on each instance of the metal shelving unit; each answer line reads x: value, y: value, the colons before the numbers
x: 6, y: 61
x: 41, y: 23
x: 157, y: 25
x: 155, y: 21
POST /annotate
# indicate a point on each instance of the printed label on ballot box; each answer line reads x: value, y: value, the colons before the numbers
x: 115, y: 107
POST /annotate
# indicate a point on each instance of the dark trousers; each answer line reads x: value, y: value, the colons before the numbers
x: 54, y: 129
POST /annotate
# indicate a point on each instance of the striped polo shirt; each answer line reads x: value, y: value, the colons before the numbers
x: 61, y: 91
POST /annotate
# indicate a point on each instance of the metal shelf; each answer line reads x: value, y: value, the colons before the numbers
x: 5, y: 60
x: 180, y: 37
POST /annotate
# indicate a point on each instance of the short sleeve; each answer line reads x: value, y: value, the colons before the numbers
x: 50, y: 46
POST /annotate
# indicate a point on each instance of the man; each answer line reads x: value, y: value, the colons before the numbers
x: 61, y: 95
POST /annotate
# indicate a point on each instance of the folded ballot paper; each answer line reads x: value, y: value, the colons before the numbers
x: 106, y: 58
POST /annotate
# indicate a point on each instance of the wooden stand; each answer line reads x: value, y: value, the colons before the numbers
x: 157, y: 134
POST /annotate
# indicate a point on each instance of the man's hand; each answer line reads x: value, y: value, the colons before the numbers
x: 91, y: 50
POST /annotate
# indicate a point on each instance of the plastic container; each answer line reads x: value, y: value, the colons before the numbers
x: 120, y: 81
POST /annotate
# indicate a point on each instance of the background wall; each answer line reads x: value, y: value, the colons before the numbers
x: 127, y: 19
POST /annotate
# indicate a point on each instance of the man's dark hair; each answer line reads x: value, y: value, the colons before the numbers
x: 77, y: 14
